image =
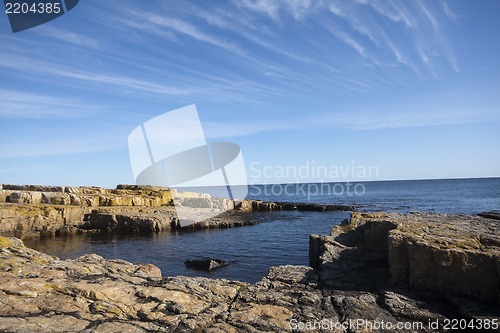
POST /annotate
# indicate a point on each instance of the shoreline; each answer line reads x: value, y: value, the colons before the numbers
x: 34, y: 211
x: 414, y: 269
x: 372, y: 268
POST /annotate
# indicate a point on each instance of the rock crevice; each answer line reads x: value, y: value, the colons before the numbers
x: 351, y: 282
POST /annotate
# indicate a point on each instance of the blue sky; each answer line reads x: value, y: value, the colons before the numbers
x: 411, y: 87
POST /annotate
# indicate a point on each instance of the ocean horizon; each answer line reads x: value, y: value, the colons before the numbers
x: 451, y: 195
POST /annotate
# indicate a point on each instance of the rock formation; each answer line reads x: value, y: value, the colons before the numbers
x: 206, y: 264
x: 451, y: 255
x: 376, y: 269
x: 32, y: 210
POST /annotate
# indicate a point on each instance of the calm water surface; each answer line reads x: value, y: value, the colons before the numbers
x: 453, y: 196
x: 281, y: 238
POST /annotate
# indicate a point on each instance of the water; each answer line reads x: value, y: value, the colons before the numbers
x: 453, y: 196
x: 282, y: 237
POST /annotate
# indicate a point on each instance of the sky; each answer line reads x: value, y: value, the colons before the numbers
x: 339, y: 90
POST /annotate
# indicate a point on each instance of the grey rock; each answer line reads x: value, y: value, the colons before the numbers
x: 208, y: 264
x: 495, y: 214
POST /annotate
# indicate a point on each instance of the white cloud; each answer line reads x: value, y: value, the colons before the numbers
x: 267, y: 7
x: 337, y: 10
x: 17, y: 104
x: 188, y: 29
x: 450, y: 13
x: 59, y: 147
x: 422, y: 31
x: 387, y: 10
x: 344, y: 37
x: 298, y: 8
x: 68, y: 36
x: 26, y: 169
x: 215, y: 130
x: 260, y: 51
x: 271, y: 8
x: 417, y: 115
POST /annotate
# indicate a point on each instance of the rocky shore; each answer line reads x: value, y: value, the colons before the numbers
x: 33, y: 210
x: 374, y: 272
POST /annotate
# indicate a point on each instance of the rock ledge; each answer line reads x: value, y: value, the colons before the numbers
x: 391, y: 268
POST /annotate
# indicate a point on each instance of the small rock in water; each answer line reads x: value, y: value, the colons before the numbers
x: 207, y: 264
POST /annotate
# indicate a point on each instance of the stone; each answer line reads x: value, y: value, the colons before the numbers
x: 350, y: 283
x: 56, y: 198
x: 197, y: 202
x: 443, y: 254
x: 25, y: 221
x: 388, y: 267
x: 25, y: 197
x: 402, y: 306
x: 495, y: 214
x: 128, y: 208
x: 206, y: 264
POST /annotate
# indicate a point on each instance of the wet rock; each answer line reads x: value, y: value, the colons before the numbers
x: 207, y: 264
x: 495, y: 214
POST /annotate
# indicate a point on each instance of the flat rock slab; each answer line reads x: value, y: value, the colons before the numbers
x: 456, y: 255
x: 41, y: 293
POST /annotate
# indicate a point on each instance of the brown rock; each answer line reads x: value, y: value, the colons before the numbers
x: 444, y: 254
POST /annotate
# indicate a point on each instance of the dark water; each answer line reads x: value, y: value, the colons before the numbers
x: 282, y: 237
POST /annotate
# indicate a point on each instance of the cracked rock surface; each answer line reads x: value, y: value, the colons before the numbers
x: 352, y: 280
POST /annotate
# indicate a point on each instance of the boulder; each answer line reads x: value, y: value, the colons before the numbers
x: 495, y: 214
x: 441, y: 254
x: 41, y: 293
x: 127, y: 220
x: 196, y: 202
x: 56, y: 198
x: 206, y: 264
x: 28, y: 197
x: 456, y: 252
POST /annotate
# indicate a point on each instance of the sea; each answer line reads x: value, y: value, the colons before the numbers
x: 279, y: 238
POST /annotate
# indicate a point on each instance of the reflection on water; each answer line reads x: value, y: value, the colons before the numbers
x: 281, y: 238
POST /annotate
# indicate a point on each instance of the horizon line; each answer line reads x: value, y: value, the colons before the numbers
x: 265, y: 184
